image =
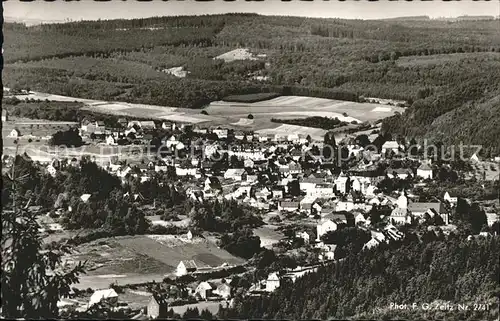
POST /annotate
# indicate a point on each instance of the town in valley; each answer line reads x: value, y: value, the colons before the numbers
x: 272, y: 197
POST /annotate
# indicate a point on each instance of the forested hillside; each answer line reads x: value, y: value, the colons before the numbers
x: 434, y: 272
x: 436, y: 66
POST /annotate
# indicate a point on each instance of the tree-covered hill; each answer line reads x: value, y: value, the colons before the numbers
x: 364, y: 285
x: 332, y: 58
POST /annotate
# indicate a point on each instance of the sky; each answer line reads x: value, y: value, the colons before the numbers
x: 92, y: 10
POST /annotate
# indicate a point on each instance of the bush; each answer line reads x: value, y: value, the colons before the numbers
x: 204, y: 112
x: 250, y: 116
x: 275, y: 219
x: 344, y: 114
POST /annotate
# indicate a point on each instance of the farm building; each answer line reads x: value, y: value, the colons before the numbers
x: 186, y: 267
x: 108, y: 296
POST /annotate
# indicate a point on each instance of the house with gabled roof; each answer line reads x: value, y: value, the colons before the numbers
x: 424, y: 171
x: 157, y: 306
x: 237, y: 174
x: 325, y: 226
x: 390, y: 146
x: 451, y: 198
x: 185, y: 267
x: 205, y: 289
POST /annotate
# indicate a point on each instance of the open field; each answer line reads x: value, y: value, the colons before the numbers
x: 234, y: 115
x: 301, y: 107
x: 410, y: 61
x: 129, y: 109
x: 137, y: 259
x: 285, y: 130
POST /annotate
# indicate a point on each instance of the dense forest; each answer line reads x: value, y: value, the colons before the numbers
x: 435, y: 271
x: 445, y: 70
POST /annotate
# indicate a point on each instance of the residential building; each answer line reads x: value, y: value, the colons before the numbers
x: 204, y: 289
x: 272, y: 282
x: 237, y: 174
x: 288, y: 206
x: 307, y: 202
x: 390, y: 146
x: 451, y: 198
x: 491, y: 218
x: 360, y: 219
x: 401, y: 173
x: 157, y: 307
x: 341, y: 183
x: 324, y: 190
x: 110, y: 140
x: 324, y: 227
x: 424, y: 171
x: 303, y: 235
x: 373, y: 242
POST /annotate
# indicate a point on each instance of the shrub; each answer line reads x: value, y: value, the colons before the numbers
x: 250, y: 116
x: 204, y: 112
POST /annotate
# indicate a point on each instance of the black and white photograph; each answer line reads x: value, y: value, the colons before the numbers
x: 242, y: 160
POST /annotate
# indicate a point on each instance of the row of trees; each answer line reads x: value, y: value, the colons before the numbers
x: 452, y: 270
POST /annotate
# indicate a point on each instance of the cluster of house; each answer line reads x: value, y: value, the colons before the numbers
x: 158, y: 304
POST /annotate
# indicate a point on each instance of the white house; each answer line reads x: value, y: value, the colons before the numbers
x: 272, y: 282
x: 474, y: 158
x: 15, y: 133
x: 303, y: 235
x: 451, y: 198
x: 424, y: 171
x: 204, y: 289
x: 248, y: 163
x: 360, y: 218
x: 172, y: 141
x: 325, y: 226
x: 390, y: 146
x: 221, y: 133
x: 400, y: 214
x: 110, y: 140
x: 373, y: 242
x: 180, y: 171
x: 108, y: 295
x: 186, y: 267
x: 234, y: 174
x: 341, y: 183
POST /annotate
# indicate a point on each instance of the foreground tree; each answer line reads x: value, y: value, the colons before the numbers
x: 33, y: 279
